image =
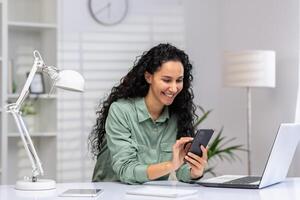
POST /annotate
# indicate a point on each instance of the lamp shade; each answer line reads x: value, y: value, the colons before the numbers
x: 252, y: 68
x: 70, y: 80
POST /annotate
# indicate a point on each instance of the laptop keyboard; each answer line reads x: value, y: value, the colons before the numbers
x: 244, y: 180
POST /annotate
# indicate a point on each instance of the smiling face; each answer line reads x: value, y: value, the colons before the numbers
x: 165, y: 83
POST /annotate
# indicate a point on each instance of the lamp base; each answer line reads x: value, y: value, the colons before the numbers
x: 40, y: 184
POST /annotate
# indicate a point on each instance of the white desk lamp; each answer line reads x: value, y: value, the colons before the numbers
x: 253, y: 68
x: 65, y: 79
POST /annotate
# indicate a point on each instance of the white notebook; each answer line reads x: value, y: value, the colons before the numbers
x: 161, y: 191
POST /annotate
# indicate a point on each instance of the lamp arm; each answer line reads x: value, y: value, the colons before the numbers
x: 38, y: 63
x: 28, y: 145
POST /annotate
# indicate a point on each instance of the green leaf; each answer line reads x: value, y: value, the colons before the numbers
x: 201, y: 119
x: 28, y: 108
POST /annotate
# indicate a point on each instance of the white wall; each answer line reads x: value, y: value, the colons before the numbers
x: 215, y: 26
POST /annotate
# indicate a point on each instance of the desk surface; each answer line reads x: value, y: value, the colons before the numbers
x: 289, y: 189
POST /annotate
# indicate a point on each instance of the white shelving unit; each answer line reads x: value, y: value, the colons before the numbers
x: 27, y: 25
x: 3, y: 94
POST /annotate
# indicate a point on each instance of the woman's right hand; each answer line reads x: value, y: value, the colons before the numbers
x: 179, y: 151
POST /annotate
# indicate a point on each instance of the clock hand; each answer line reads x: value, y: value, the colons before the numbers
x: 108, y: 13
x: 103, y: 8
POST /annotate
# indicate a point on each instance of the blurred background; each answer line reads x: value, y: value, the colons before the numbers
x: 101, y: 39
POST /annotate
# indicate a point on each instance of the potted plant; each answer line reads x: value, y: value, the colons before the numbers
x: 220, y: 147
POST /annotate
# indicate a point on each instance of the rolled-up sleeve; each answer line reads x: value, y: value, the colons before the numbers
x: 123, y: 149
x: 184, y: 173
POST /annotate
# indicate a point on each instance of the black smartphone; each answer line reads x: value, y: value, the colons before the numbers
x: 202, y: 137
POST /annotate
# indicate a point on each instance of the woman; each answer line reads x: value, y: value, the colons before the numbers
x: 145, y: 123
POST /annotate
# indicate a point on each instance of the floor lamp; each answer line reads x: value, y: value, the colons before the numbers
x: 251, y: 68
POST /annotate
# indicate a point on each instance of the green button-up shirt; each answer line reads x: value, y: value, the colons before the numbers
x: 134, y: 141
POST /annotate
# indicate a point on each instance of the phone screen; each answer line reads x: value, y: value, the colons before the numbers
x: 202, y: 137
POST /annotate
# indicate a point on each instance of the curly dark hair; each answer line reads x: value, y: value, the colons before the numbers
x: 134, y: 85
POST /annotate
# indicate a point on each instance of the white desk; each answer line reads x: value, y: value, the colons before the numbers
x: 289, y: 189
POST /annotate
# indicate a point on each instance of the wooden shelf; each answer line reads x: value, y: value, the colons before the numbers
x: 34, y: 134
x: 30, y: 25
x: 33, y: 96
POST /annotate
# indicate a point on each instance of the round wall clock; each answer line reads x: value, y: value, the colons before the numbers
x: 108, y: 12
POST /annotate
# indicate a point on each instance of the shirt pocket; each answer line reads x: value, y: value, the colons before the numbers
x: 146, y: 155
x: 166, y: 152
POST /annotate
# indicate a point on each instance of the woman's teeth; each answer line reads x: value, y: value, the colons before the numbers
x: 169, y: 95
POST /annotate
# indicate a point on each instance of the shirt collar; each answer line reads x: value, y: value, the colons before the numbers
x: 143, y: 114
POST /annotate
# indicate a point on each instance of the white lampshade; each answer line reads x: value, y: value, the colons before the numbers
x: 252, y: 68
x: 70, y: 80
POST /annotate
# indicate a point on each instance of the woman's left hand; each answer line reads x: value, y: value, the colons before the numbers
x: 197, y: 163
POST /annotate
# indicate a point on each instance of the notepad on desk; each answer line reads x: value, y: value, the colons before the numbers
x: 161, y: 191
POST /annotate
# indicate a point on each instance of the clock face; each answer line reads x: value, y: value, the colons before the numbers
x: 108, y: 12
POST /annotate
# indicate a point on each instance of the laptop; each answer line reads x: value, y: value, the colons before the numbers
x: 277, y: 166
